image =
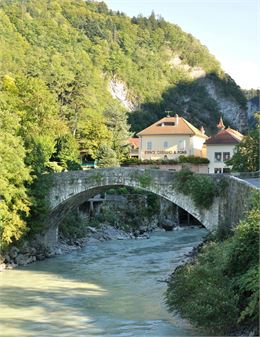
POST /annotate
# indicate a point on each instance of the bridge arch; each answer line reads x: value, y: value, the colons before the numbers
x: 71, y: 189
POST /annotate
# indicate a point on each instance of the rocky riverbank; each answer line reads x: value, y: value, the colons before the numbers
x: 27, y: 252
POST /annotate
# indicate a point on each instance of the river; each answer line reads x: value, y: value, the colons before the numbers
x: 110, y: 289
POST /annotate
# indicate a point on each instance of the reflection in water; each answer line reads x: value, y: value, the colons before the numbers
x: 108, y: 289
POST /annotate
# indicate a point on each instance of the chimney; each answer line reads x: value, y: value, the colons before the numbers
x: 176, y: 119
x: 202, y: 130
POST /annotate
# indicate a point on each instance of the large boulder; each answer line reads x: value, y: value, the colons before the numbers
x: 167, y: 224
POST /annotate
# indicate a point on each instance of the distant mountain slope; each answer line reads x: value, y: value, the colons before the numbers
x: 93, y: 60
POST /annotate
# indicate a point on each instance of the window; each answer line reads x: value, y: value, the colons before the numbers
x: 149, y: 146
x: 226, y: 156
x: 182, y: 145
x: 166, y: 124
x: 217, y: 170
x: 218, y: 156
x: 226, y: 170
x: 165, y: 145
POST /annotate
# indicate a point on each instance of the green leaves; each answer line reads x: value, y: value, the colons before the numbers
x: 219, y: 290
x: 14, y: 202
x: 202, y: 189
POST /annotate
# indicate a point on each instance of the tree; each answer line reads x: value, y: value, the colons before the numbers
x: 246, y: 157
x: 93, y: 134
x: 106, y: 157
x: 14, y: 202
x: 116, y: 121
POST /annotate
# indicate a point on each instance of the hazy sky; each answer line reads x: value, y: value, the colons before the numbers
x: 229, y: 28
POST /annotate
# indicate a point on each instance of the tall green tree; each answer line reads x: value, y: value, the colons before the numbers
x: 14, y: 201
x: 246, y: 156
x: 106, y: 157
x: 116, y: 121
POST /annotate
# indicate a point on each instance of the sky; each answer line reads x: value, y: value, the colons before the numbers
x: 229, y: 28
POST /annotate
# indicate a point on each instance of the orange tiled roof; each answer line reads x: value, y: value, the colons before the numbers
x: 172, y: 126
x: 134, y: 142
x: 227, y: 136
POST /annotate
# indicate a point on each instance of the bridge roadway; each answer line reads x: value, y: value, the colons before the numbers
x: 253, y: 181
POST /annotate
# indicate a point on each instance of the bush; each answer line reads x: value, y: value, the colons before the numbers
x: 201, y: 188
x: 182, y: 159
x: 193, y: 160
x: 183, y: 181
x: 202, y: 191
x: 219, y: 290
x: 201, y: 293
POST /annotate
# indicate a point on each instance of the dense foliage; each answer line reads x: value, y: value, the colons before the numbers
x: 202, y: 189
x: 57, y: 60
x: 247, y: 152
x: 219, y: 290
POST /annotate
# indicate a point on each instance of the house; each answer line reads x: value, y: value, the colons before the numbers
x: 170, y: 137
x: 220, y: 148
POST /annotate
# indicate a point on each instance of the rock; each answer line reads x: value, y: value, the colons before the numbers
x: 142, y: 229
x: 2, y: 266
x: 25, y: 249
x: 7, y: 259
x: 23, y: 259
x: 33, y: 251
x: 2, y: 259
x: 93, y: 241
x: 167, y: 224
x: 11, y: 265
x: 49, y: 252
x: 92, y: 229
x: 13, y: 252
x: 40, y: 257
x: 57, y: 251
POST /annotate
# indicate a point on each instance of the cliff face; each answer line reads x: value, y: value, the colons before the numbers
x: 253, y: 105
x: 229, y: 108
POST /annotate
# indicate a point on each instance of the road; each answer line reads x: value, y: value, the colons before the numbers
x: 253, y: 181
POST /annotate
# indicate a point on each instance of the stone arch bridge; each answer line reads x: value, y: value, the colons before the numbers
x: 68, y: 190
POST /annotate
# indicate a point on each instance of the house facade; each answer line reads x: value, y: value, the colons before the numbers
x: 221, y: 147
x: 169, y: 138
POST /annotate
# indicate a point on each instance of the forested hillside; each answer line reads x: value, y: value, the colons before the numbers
x: 74, y: 74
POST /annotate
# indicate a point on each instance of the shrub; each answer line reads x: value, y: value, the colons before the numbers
x: 145, y: 180
x: 219, y: 290
x: 202, y: 191
x: 182, y: 159
x: 201, y: 293
x: 193, y: 160
x: 201, y: 188
x: 183, y: 181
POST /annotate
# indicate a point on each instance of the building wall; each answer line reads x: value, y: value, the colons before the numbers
x: 218, y: 148
x: 154, y: 147
x: 197, y: 144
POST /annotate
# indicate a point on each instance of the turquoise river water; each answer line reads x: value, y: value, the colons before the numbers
x: 110, y: 289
